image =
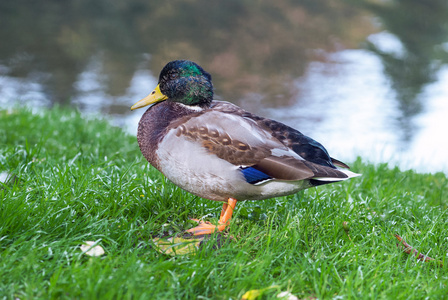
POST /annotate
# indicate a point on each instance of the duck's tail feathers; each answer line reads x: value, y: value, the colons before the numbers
x: 349, y: 174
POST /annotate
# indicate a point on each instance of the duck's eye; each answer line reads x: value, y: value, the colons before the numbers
x: 173, y: 76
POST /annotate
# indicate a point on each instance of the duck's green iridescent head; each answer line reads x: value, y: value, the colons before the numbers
x: 181, y: 81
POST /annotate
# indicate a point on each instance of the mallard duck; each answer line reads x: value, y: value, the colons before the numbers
x: 218, y: 151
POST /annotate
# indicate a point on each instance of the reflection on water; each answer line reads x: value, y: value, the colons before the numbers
x: 262, y: 44
x: 282, y: 59
x: 350, y: 111
x: 422, y: 28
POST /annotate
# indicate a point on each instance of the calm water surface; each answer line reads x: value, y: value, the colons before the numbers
x: 369, y: 81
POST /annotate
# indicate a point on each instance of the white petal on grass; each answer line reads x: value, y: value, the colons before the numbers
x: 287, y: 296
x: 4, y: 176
x: 89, y: 248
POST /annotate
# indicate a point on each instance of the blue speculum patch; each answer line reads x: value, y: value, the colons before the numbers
x: 253, y: 175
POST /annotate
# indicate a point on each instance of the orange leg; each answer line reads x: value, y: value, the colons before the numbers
x: 224, y: 208
x: 226, y: 215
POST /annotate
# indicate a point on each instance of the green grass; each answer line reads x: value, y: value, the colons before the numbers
x: 74, y: 180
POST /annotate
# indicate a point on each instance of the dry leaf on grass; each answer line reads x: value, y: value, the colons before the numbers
x: 410, y: 250
x: 189, y: 244
x: 177, y: 245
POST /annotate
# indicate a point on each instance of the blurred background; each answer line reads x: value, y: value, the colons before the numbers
x: 364, y: 77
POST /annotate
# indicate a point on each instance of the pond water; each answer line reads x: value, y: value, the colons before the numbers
x: 368, y: 80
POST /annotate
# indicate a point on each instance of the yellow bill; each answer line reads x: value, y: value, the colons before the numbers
x: 154, y: 97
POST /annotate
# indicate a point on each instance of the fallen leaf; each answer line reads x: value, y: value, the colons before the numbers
x: 177, y: 245
x: 411, y: 250
x: 251, y: 295
x: 254, y: 294
x: 91, y: 249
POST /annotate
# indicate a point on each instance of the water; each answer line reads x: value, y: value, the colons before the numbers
x: 369, y: 81
x: 350, y: 103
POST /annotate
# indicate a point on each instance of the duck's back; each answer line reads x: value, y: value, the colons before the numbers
x: 301, y: 144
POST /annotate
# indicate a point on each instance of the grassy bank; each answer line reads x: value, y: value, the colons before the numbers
x: 72, y: 180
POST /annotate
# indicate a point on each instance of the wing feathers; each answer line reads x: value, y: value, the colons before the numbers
x: 254, y: 176
x: 339, y: 163
x: 263, y: 148
x: 284, y: 168
x: 290, y: 168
